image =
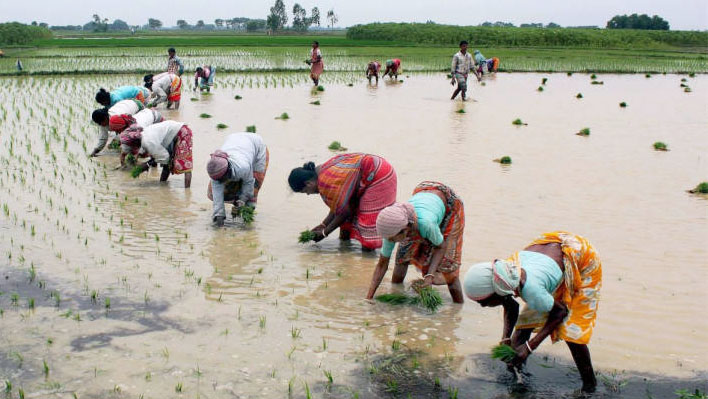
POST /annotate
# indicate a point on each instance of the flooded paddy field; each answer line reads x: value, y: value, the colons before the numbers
x: 114, y: 287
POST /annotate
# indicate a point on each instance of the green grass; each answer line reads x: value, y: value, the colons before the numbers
x: 660, y: 146
x: 306, y: 236
x: 504, y: 353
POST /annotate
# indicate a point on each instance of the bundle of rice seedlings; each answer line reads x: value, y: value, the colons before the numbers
x: 336, y: 146
x: 691, y: 75
x: 320, y: 88
x: 660, y: 146
x: 579, y: 95
x: 544, y: 80
x: 593, y: 76
x: 428, y: 298
x: 114, y: 145
x: 597, y: 82
x: 237, y: 97
x: 505, y: 353
x: 518, y: 122
x: 701, y: 188
x: 395, y: 298
x: 306, y: 236
x: 623, y: 104
x: 130, y: 160
x: 584, y: 132
x: 136, y: 171
x: 247, y: 214
x: 205, y: 116
x: 540, y: 88
x: 221, y: 126
x: 315, y: 102
x: 251, y: 129
x: 570, y: 73
x: 350, y: 84
x: 505, y: 160
x: 283, y: 116
x: 460, y: 111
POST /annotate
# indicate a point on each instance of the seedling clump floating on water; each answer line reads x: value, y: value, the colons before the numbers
x: 237, y: 97
x: 597, y: 82
x: 540, y: 88
x: 194, y: 99
x: 701, y: 188
x: 460, y: 111
x: 584, y: 132
x: 687, y: 89
x: 337, y: 146
x: 205, y: 116
x: 283, y: 116
x: 593, y: 76
x: 247, y: 214
x: 660, y: 146
x: 505, y: 160
x: 320, y: 88
x: 505, y: 353
x: 315, y: 102
x: 579, y: 95
x: 221, y: 126
x: 518, y: 122
x: 251, y: 129
x: 623, y: 104
x: 306, y: 236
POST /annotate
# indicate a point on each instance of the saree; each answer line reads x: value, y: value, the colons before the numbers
x: 182, y: 160
x: 367, y: 183
x: 175, y: 93
x: 419, y: 251
x: 579, y: 290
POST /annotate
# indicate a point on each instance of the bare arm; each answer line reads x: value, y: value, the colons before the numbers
x: 435, y: 259
x: 379, y: 273
x: 337, y: 220
x: 555, y: 317
x: 511, y: 315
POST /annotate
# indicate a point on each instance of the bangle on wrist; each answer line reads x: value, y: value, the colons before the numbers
x: 529, y: 347
x: 426, y: 276
x: 506, y: 340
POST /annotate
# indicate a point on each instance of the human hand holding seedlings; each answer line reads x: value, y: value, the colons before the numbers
x: 319, y: 233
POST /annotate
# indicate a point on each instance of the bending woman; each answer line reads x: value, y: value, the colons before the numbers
x: 204, y: 77
x: 355, y: 187
x: 143, y: 119
x: 558, y: 276
x: 393, y: 68
x: 109, y: 99
x: 166, y: 87
x: 372, y: 70
x: 428, y: 229
x: 103, y: 116
x: 169, y: 143
x: 237, y: 171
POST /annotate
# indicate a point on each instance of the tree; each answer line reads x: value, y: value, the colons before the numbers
x: 200, y: 24
x: 300, y: 21
x: 278, y: 17
x: 219, y: 23
x: 44, y: 25
x: 332, y: 18
x: 255, y: 25
x: 315, y: 16
x: 182, y: 24
x: 154, y: 23
x: 99, y: 25
x: 552, y: 25
x: 635, y: 21
x: 119, y: 25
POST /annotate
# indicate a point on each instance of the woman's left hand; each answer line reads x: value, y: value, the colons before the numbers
x: 428, y: 280
x: 522, y: 353
x: 319, y: 234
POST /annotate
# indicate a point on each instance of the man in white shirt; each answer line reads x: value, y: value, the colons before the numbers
x: 462, y: 64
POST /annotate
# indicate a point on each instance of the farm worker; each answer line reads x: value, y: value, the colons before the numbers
x: 393, y: 68
x: 355, y: 187
x: 492, y: 64
x: 169, y: 143
x: 102, y: 118
x: 206, y: 74
x: 372, y: 70
x: 144, y: 118
x: 558, y: 276
x: 428, y: 229
x: 164, y: 87
x: 174, y: 64
x: 237, y: 171
x: 479, y: 61
x: 108, y: 99
x: 462, y: 65
x: 315, y: 62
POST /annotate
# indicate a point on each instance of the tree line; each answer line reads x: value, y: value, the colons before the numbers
x: 635, y: 21
x: 17, y: 33
x: 277, y: 20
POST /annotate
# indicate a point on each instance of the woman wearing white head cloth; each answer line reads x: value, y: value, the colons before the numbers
x: 428, y: 229
x: 559, y: 278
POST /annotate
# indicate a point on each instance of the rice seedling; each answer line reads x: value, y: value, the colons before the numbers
x: 295, y: 332
x: 660, y: 146
x: 308, y: 394
x: 30, y: 303
x: 221, y: 126
x: 686, y: 394
x: 647, y: 75
x: 306, y: 236
x: 505, y: 160
x: 623, y: 104
x: 204, y: 115
x: 684, y: 80
x: 193, y: 99
x: 14, y: 299
x: 505, y: 353
x: 262, y: 321
x: 395, y: 345
x: 519, y: 122
x: 428, y: 298
x: 336, y: 146
x: 544, y: 80
x: 315, y: 102
x: 683, y: 85
x: 701, y: 188
x: 569, y: 73
x: 246, y: 213
x: 21, y: 393
x: 324, y: 344
x: 8, y: 386
x: 687, y: 90
x: 45, y: 368
x: 251, y: 129
x: 284, y: 116
x: 540, y: 88
x: 597, y: 82
x: 330, y: 378
x: 136, y: 171
x: 692, y: 75
x: 179, y: 387
x: 593, y: 76
x: 460, y: 111
x: 94, y: 297
x: 320, y: 88
x: 107, y: 303
x: 584, y: 132
x: 237, y: 97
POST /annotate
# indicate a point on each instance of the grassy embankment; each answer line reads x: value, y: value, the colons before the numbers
x: 422, y: 48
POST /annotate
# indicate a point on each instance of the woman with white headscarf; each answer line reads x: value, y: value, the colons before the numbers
x: 558, y: 277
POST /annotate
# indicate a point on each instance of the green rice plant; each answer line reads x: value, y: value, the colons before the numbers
x: 246, y: 213
x: 179, y: 387
x: 460, y: 111
x: 428, y: 298
x: 701, y: 188
x: 686, y: 394
x: 14, y: 299
x: 251, y: 129
x: 130, y: 160
x: 21, y: 393
x: 94, y: 297
x: 394, y: 298
x: 570, y: 73
x: 262, y: 321
x: 336, y: 146
x: 452, y: 393
x: 308, y: 394
x: 684, y: 80
x: 660, y: 146
x: 324, y: 344
x: 107, y: 303
x: 683, y: 85
x: 114, y: 145
x: 503, y: 352
x: 237, y: 97
x: 692, y: 75
x: 295, y: 332
x: 45, y: 368
x: 320, y: 88
x: 584, y: 132
x: 540, y: 88
x: 30, y: 303
x: 350, y: 84
x: 544, y: 80
x: 204, y: 115
x: 222, y: 126
x: 330, y: 378
x: 136, y: 171
x: 687, y: 90
x: 519, y: 122
x: 284, y: 116
x: 306, y: 236
x: 315, y: 102
x: 8, y: 386
x: 623, y: 104
x: 647, y: 75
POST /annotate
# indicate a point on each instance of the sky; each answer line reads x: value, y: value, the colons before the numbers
x: 681, y: 14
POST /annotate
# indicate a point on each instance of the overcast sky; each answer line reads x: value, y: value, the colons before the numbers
x: 681, y: 14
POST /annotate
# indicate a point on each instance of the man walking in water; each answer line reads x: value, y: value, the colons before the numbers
x: 462, y: 64
x: 174, y: 64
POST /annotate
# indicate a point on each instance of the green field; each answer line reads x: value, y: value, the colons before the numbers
x: 103, y: 53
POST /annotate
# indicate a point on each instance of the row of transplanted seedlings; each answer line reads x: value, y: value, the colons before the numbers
x: 71, y: 222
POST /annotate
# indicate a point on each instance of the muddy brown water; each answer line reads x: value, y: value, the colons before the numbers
x: 248, y: 312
